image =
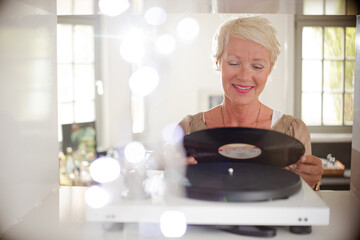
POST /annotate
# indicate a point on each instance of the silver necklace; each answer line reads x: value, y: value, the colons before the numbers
x: 223, y: 120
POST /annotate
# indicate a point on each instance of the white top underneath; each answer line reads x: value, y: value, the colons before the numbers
x: 275, y: 117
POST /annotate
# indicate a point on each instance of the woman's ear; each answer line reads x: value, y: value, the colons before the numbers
x: 217, y: 65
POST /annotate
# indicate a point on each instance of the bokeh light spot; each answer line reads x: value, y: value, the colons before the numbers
x: 172, y: 133
x: 134, y: 152
x: 132, y: 48
x: 104, y: 170
x: 96, y: 197
x: 155, y: 16
x: 188, y: 28
x: 173, y: 224
x: 144, y: 81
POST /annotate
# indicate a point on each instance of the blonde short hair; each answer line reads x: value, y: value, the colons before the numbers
x: 256, y: 29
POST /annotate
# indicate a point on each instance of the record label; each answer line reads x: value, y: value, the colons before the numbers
x: 239, y: 151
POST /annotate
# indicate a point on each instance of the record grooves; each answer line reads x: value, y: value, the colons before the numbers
x: 250, y: 145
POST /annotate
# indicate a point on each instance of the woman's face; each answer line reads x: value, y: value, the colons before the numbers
x: 244, y: 66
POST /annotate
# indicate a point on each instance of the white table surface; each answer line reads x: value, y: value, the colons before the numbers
x: 62, y: 216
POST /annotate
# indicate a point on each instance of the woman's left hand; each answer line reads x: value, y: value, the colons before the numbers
x: 309, y: 168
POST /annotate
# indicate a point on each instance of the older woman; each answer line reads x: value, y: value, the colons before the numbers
x: 245, y: 51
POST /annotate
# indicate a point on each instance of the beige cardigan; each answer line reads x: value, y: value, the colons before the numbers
x: 286, y: 124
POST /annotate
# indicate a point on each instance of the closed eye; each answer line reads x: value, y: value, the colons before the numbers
x: 233, y: 63
x: 258, y: 67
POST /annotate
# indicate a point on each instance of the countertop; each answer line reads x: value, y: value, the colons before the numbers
x: 62, y: 216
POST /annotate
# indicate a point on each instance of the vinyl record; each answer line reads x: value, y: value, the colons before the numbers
x: 239, y: 182
x: 248, y: 145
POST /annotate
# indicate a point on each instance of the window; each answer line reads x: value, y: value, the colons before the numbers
x: 326, y: 63
x: 76, y: 7
x: 77, y: 61
x: 78, y: 89
x: 76, y: 73
x: 330, y: 7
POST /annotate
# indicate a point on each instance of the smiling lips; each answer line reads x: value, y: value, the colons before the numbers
x: 242, y: 89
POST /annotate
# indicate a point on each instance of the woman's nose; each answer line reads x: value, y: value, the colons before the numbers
x: 243, y: 73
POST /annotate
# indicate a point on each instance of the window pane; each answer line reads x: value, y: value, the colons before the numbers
x: 333, y: 75
x: 333, y: 42
x: 334, y: 7
x: 65, y: 83
x: 313, y: 7
x: 350, y: 42
x: 311, y: 75
x: 312, y: 42
x: 64, y: 7
x: 84, y: 82
x: 66, y: 113
x: 64, y: 43
x: 349, y: 75
x: 349, y: 109
x: 83, y: 44
x: 75, y: 7
x: 332, y: 109
x: 311, y: 108
x: 85, y: 111
x: 83, y: 7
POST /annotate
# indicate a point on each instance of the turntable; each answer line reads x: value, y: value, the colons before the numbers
x: 237, y: 186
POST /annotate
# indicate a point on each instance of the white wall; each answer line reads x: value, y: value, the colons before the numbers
x: 116, y: 113
x: 355, y: 154
x: 187, y: 75
x: 28, y: 106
